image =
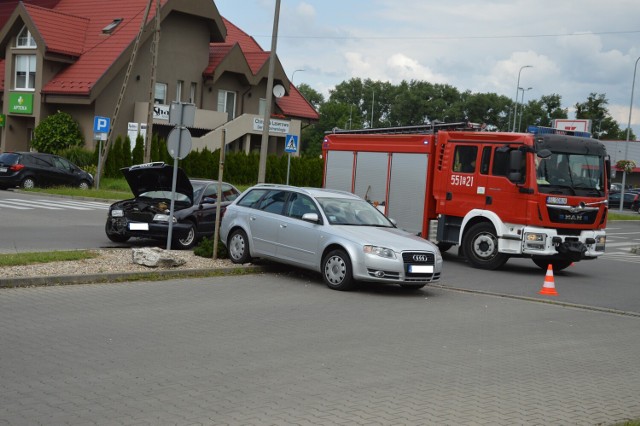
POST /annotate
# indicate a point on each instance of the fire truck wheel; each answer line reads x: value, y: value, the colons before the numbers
x: 336, y: 271
x: 557, y: 265
x: 481, y: 247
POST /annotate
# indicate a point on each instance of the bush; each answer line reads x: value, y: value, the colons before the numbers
x: 205, y: 249
x: 79, y: 156
x: 56, y: 133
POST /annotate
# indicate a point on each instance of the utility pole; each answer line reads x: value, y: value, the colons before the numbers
x: 264, y: 146
x: 103, y: 159
x: 152, y: 85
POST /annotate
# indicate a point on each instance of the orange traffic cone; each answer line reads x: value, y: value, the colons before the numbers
x: 549, y: 286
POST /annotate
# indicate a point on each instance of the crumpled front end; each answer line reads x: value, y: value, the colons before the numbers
x: 142, y: 219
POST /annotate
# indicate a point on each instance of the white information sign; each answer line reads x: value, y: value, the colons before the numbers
x: 275, y: 126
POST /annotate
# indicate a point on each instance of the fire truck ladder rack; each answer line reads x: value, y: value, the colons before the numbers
x: 424, y: 129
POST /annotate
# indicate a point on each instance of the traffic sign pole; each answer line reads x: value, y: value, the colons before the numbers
x: 290, y: 145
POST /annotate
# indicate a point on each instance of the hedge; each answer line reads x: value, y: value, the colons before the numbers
x: 239, y: 168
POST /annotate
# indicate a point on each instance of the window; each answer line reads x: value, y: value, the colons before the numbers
x: 465, y: 159
x: 179, y: 90
x: 160, y: 95
x: 25, y: 72
x: 192, y: 93
x: 112, y: 26
x: 500, y: 162
x: 252, y: 198
x: 25, y: 40
x: 486, y: 159
x: 273, y: 202
x: 299, y: 205
x: 227, y: 103
x: 262, y: 107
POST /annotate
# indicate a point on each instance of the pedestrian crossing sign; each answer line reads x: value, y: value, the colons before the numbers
x: 291, y: 143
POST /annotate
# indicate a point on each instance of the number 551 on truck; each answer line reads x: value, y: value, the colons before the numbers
x: 540, y: 195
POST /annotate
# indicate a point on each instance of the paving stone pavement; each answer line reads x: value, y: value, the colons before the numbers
x: 284, y: 350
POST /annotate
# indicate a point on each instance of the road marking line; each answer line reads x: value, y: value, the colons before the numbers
x: 31, y: 205
x: 52, y: 205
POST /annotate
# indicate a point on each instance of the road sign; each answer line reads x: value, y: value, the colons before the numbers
x: 291, y: 143
x: 179, y: 143
x: 101, y: 124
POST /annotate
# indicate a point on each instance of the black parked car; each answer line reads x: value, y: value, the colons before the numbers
x: 31, y: 169
x: 147, y: 215
x: 631, y: 200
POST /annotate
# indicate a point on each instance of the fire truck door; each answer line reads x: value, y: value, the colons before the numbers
x: 339, y: 170
x: 407, y: 190
x: 466, y: 186
x: 504, y: 197
x: 371, y: 178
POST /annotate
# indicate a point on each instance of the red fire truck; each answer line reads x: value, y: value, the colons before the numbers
x: 497, y: 195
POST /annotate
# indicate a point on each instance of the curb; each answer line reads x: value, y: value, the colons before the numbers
x: 116, y: 277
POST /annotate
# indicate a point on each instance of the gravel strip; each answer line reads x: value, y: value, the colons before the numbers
x: 109, y: 261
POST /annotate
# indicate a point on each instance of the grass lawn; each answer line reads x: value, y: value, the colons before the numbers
x: 30, y: 258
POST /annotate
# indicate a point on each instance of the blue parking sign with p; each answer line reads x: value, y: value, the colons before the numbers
x: 101, y: 124
x: 291, y: 143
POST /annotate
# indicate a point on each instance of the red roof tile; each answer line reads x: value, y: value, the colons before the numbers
x: 217, y: 52
x: 236, y: 35
x: 296, y: 105
x: 62, y: 33
x: 256, y: 60
x: 100, y: 50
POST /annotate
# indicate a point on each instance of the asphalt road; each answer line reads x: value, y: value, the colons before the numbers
x: 282, y: 349
x: 34, y: 222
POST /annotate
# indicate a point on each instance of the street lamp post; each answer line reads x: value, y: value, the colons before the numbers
x: 626, y: 145
x: 294, y: 74
x: 522, y: 109
x: 515, y: 108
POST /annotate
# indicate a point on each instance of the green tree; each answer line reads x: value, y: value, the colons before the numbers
x: 125, y: 159
x: 57, y: 132
x: 542, y: 112
x: 137, y: 155
x: 603, y: 125
x: 314, y: 97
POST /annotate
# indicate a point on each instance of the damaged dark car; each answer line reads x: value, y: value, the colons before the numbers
x: 147, y: 214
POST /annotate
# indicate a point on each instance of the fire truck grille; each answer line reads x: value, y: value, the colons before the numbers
x: 578, y: 218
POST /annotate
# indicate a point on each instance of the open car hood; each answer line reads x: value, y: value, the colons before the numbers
x: 156, y: 177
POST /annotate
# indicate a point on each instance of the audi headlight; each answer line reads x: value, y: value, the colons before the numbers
x: 380, y: 251
x: 117, y: 213
x: 159, y: 217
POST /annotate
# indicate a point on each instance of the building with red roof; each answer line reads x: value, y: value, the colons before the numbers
x: 73, y: 56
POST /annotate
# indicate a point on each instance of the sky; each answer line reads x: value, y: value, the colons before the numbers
x: 574, y: 48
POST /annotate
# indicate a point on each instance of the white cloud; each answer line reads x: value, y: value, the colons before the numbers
x: 306, y: 11
x: 401, y: 67
x: 575, y: 48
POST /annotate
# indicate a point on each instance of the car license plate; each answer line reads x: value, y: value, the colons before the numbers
x: 139, y: 226
x: 3, y: 170
x: 421, y: 269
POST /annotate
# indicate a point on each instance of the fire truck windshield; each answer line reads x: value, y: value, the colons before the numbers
x: 576, y: 174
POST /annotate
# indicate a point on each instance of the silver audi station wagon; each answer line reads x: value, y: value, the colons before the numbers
x: 336, y: 233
